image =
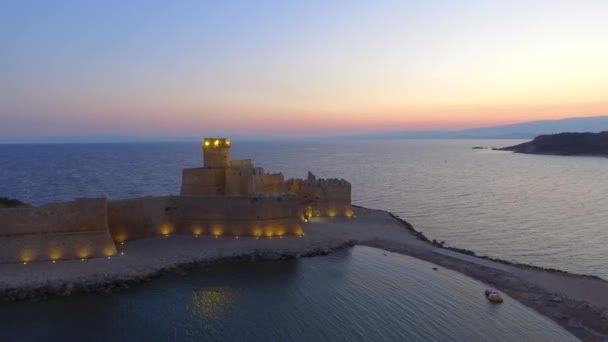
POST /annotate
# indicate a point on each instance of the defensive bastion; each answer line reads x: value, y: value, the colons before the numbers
x: 224, y: 197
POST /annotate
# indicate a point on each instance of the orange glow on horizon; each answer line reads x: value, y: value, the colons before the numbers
x: 334, y: 70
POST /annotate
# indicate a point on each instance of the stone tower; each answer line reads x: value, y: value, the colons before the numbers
x: 216, y: 153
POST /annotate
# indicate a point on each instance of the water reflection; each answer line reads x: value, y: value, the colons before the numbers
x: 362, y: 294
x: 213, y: 303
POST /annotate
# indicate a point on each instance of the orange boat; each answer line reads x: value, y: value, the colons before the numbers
x: 493, y: 295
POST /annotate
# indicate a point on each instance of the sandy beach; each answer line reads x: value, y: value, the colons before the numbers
x: 577, y: 302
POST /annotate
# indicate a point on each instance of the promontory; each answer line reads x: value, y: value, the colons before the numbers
x: 565, y: 144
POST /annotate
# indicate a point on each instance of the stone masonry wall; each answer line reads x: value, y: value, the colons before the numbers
x: 324, y: 197
x: 202, y: 181
x: 211, y: 215
x: 273, y: 183
x: 68, y: 230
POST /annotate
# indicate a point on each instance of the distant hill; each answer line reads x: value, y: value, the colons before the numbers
x: 566, y: 144
x: 524, y: 130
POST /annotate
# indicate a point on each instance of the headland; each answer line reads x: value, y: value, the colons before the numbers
x: 156, y: 235
x: 565, y: 144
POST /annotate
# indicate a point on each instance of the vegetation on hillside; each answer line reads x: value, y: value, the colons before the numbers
x: 565, y: 144
x: 6, y: 202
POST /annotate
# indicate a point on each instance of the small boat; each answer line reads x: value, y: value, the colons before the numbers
x: 493, y: 295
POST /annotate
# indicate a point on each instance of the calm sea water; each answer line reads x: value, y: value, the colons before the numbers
x: 549, y: 211
x: 362, y: 294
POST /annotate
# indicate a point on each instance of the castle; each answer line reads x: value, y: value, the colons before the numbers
x: 224, y: 197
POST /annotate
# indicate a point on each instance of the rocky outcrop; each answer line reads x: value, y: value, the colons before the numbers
x: 6, y: 202
x: 566, y: 144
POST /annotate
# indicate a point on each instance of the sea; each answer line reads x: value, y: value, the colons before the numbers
x: 360, y: 294
x: 547, y: 211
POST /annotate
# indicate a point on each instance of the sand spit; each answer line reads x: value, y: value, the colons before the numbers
x: 578, y: 303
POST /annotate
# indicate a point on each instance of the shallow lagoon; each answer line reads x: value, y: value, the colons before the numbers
x: 360, y: 294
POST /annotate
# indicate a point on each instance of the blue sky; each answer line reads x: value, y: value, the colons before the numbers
x: 296, y: 67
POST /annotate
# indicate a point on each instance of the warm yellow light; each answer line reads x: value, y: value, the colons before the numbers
x: 55, y: 254
x: 206, y: 142
x: 217, y: 230
x: 332, y: 213
x: 84, y: 252
x: 121, y: 237
x: 27, y: 255
x: 166, y: 229
x: 228, y: 143
x: 109, y: 250
x: 25, y: 263
x: 216, y: 143
x: 348, y: 213
x: 197, y: 230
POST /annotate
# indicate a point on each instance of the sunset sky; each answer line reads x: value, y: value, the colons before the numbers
x: 297, y: 68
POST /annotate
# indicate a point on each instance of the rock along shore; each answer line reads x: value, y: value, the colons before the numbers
x: 577, y: 302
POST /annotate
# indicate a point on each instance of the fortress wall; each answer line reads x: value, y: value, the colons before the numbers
x: 335, y: 198
x: 74, y: 216
x: 243, y: 181
x: 241, y: 163
x: 68, y: 230
x: 273, y: 183
x: 202, y: 181
x: 196, y: 215
x: 325, y: 197
x: 140, y: 217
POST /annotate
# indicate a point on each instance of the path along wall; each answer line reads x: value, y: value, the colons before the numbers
x: 260, y: 215
x: 69, y: 230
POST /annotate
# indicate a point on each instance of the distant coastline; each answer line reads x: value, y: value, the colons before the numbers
x: 565, y: 144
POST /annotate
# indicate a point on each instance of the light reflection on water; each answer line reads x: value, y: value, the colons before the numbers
x: 212, y: 303
x: 362, y: 294
x: 548, y: 211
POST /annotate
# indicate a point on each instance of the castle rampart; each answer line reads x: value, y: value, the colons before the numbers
x: 260, y: 215
x: 323, y: 197
x: 68, y: 230
x: 224, y: 197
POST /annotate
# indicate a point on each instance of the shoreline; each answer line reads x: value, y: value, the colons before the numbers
x: 485, y: 257
x: 573, y: 301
